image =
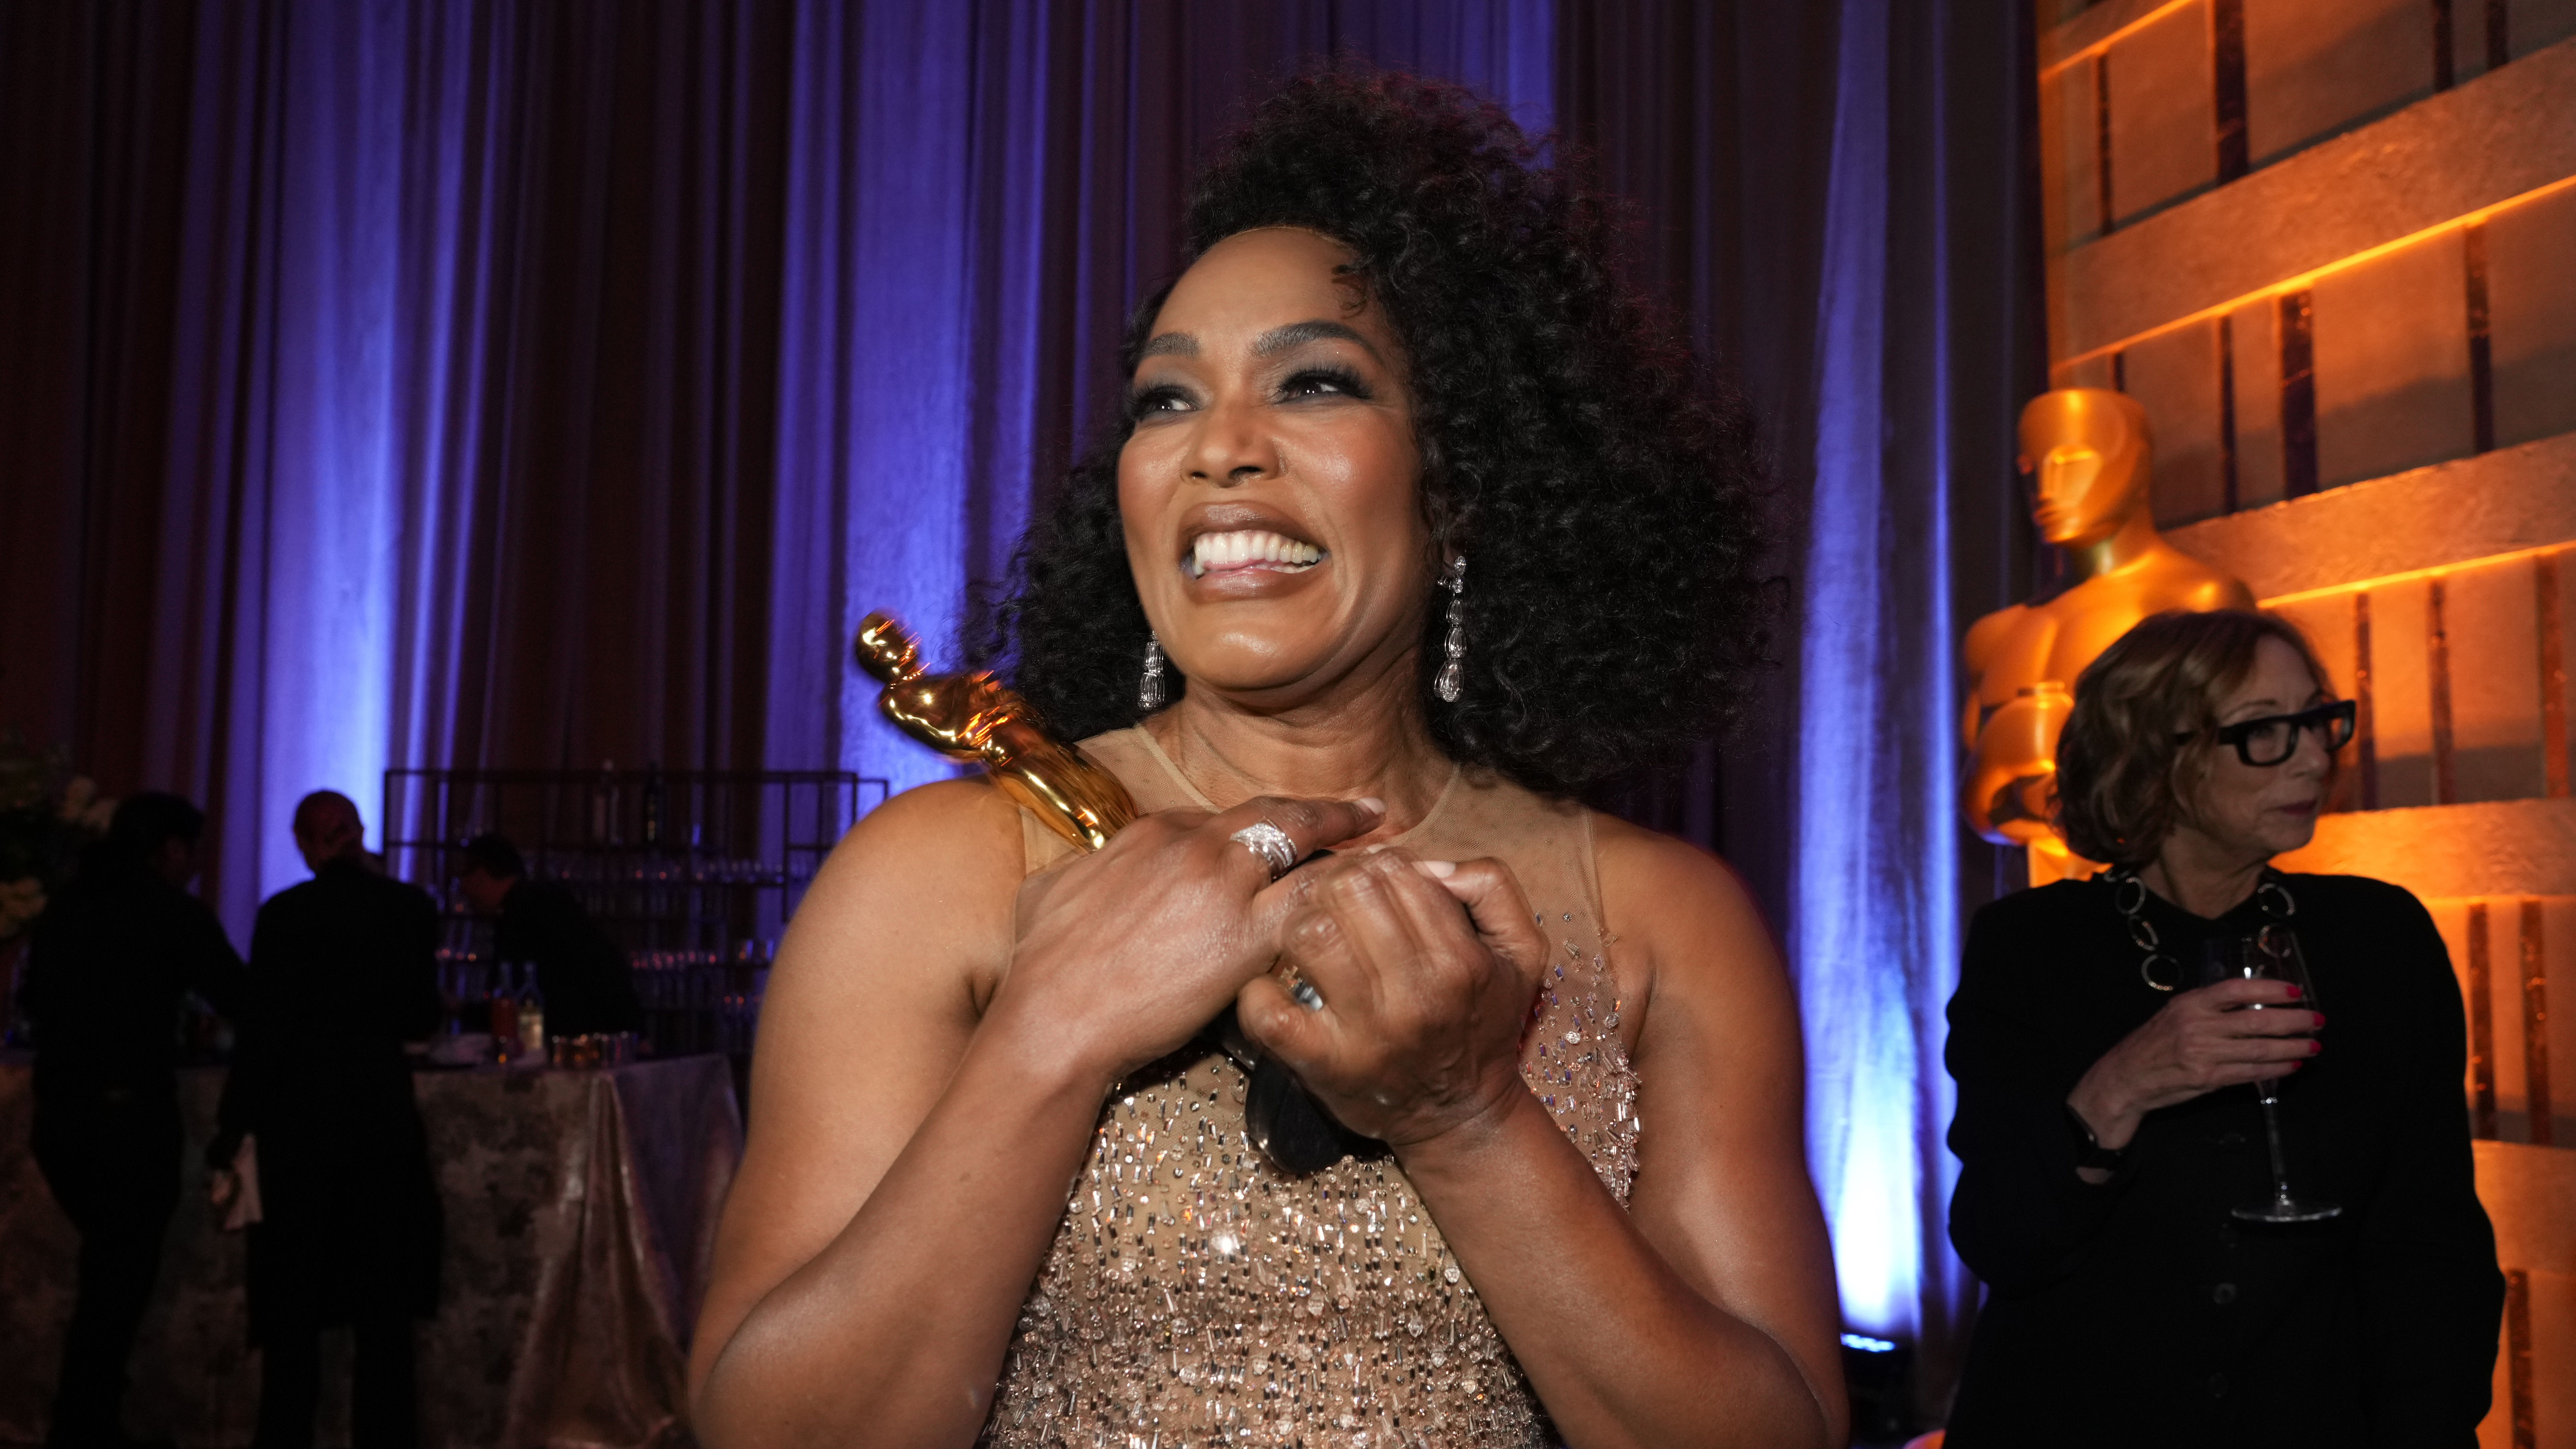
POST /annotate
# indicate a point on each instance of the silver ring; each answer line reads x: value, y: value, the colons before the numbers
x: 1271, y: 844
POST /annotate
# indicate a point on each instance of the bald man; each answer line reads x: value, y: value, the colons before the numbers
x: 343, y: 973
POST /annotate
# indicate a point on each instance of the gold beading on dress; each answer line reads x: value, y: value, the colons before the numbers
x: 1195, y: 1295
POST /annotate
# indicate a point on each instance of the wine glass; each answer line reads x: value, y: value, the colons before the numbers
x: 2272, y: 954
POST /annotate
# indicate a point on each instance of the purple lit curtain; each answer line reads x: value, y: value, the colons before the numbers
x: 387, y: 384
x: 458, y: 382
x: 1925, y: 329
x: 1839, y: 199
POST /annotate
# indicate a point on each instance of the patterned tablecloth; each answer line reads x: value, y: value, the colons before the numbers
x: 581, y: 1210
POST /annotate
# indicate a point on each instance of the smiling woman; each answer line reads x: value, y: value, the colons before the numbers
x: 1559, y: 435
x: 1028, y: 1210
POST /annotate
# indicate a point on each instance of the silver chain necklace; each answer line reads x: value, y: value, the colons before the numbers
x: 2129, y: 896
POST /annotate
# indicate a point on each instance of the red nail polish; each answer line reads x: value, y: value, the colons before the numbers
x: 2295, y: 992
x: 2315, y: 1047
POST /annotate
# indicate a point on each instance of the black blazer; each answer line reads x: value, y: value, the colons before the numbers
x: 343, y: 972
x: 106, y: 968
x: 587, y: 985
x: 2140, y: 1312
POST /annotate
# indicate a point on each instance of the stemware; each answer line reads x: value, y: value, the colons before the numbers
x: 2272, y: 954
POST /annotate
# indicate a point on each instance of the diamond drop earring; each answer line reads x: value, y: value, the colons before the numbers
x: 1453, y: 673
x: 1149, y: 690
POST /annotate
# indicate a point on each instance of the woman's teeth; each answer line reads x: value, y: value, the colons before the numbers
x: 1250, y: 548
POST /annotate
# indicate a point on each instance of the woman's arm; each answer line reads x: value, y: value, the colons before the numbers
x: 868, y: 1017
x: 909, y: 1155
x: 2023, y: 1209
x: 1706, y: 1313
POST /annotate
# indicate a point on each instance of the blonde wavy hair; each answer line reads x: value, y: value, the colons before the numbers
x: 2123, y: 779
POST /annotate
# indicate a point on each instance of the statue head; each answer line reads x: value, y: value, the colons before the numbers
x: 2089, y: 449
x: 886, y: 649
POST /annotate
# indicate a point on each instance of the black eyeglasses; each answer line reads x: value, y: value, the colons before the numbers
x: 2275, y: 737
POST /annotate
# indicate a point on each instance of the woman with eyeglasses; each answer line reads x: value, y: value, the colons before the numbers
x: 2110, y: 1131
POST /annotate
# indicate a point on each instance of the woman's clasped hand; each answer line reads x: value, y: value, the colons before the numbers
x: 1426, y: 970
x: 1124, y: 955
x: 2217, y: 1036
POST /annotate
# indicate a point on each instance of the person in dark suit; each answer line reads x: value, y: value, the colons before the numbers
x: 107, y: 965
x: 344, y: 974
x: 587, y: 983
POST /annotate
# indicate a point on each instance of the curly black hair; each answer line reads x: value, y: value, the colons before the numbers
x: 1600, y: 484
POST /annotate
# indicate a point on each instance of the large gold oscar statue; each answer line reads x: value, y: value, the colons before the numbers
x: 2091, y: 452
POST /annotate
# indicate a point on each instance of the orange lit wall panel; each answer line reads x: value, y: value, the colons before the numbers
x: 2531, y: 290
x: 2160, y: 116
x: 2392, y: 363
x: 2315, y: 68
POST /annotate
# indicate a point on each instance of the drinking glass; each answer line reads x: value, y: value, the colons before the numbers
x: 2272, y: 954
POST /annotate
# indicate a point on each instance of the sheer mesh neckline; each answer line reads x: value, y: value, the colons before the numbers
x: 1199, y: 797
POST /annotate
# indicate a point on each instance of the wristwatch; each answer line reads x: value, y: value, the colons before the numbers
x: 2089, y: 1151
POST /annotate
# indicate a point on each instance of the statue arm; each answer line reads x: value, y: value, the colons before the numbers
x: 1976, y: 654
x: 2004, y: 760
x: 2005, y: 795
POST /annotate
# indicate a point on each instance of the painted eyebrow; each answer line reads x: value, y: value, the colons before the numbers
x: 1297, y: 334
x: 1268, y: 344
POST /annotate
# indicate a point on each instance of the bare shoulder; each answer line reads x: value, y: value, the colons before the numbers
x: 957, y: 840
x: 913, y: 906
x: 1720, y: 1013
x: 950, y: 824
x: 1680, y: 909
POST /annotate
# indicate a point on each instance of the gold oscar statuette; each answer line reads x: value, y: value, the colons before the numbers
x: 975, y: 718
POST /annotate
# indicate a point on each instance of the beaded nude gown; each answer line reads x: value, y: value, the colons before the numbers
x: 1195, y: 1295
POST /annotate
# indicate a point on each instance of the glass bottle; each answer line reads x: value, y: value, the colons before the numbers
x: 532, y: 1017
x: 505, y: 1013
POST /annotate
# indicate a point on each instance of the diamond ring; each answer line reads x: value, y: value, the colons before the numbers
x: 1271, y: 844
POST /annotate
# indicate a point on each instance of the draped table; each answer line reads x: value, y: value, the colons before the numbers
x: 581, y: 1209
